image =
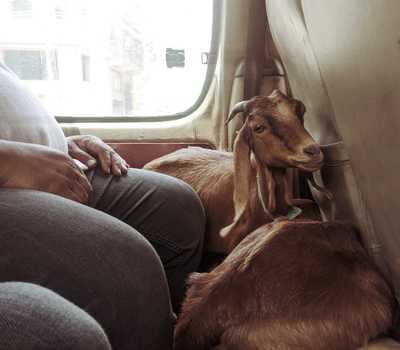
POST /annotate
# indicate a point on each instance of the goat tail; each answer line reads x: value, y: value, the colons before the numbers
x: 197, y: 327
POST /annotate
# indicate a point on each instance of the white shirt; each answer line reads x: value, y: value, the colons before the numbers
x: 23, y: 117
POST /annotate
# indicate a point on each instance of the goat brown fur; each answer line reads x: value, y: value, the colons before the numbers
x: 299, y: 284
x: 249, y: 187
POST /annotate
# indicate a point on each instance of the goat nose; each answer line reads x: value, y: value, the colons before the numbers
x: 312, y: 150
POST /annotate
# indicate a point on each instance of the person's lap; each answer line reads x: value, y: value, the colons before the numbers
x: 33, y: 317
x: 102, y: 264
x: 164, y: 210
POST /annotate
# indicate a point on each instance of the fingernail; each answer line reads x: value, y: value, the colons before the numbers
x: 91, y: 163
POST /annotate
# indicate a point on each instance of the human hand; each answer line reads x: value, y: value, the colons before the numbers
x: 91, y: 150
x: 41, y: 168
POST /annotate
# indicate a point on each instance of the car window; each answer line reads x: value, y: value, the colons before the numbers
x: 109, y: 58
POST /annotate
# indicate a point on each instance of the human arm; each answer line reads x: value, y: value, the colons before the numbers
x: 41, y: 168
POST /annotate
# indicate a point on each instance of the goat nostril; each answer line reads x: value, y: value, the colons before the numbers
x: 312, y: 150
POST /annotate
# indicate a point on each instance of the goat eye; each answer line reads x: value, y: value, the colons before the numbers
x: 259, y: 129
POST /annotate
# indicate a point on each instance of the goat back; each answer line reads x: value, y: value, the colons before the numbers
x: 289, y: 285
x: 210, y: 174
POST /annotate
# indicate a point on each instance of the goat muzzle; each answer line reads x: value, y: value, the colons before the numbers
x: 312, y: 150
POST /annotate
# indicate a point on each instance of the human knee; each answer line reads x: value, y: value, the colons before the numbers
x: 87, y: 335
x: 188, y: 213
x: 142, y: 289
x: 172, y: 212
x: 32, y: 315
x: 191, y: 201
x: 137, y: 260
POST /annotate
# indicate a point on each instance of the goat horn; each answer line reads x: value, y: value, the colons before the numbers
x: 237, y: 108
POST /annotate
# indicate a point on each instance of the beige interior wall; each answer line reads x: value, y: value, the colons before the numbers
x: 291, y: 39
x: 291, y: 32
x: 236, y: 96
x: 207, y: 122
x: 342, y: 60
x: 357, y: 47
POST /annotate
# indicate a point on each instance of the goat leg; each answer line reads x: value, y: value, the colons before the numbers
x: 197, y: 327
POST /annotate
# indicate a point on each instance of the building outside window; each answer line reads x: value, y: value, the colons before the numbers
x: 50, y: 51
x: 27, y: 64
x: 21, y: 9
x: 86, y: 68
x: 54, y: 64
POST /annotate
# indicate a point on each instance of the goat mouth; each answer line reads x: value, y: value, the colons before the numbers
x: 309, y: 166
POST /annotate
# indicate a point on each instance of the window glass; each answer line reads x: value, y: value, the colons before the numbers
x: 54, y: 64
x: 85, y: 67
x: 59, y: 9
x: 109, y: 57
x: 27, y: 64
x: 21, y: 9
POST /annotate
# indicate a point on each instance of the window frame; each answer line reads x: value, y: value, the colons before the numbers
x: 211, y: 67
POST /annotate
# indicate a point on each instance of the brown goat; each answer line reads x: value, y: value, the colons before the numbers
x: 303, y: 285
x: 249, y: 187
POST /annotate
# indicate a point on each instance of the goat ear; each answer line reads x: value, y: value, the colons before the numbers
x: 288, y: 188
x: 285, y: 178
x: 267, y: 181
x: 241, y: 182
x: 266, y: 188
x: 300, y: 109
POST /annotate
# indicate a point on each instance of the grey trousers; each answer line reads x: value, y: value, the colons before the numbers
x: 32, y: 317
x: 114, y: 258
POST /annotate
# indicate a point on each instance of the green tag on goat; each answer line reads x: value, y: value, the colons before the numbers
x: 293, y: 213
